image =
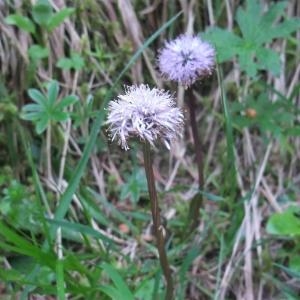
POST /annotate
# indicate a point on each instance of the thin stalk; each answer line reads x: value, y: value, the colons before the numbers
x: 59, y: 248
x: 50, y: 178
x: 197, y: 200
x: 50, y: 58
x: 48, y: 153
x: 61, y: 171
x: 60, y: 183
x: 66, y: 138
x: 158, y: 228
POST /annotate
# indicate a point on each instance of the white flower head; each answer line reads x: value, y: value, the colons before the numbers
x: 186, y: 58
x: 149, y: 114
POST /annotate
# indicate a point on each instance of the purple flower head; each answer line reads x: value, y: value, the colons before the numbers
x: 186, y: 59
x: 149, y: 114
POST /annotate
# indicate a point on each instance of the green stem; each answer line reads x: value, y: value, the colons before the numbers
x: 158, y: 228
x: 197, y: 200
x: 48, y: 153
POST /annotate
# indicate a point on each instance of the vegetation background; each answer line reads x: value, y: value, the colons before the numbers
x: 74, y: 210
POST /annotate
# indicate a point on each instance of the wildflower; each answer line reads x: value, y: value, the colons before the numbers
x: 186, y: 59
x: 149, y: 114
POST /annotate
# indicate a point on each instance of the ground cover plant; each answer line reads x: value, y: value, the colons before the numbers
x: 207, y: 209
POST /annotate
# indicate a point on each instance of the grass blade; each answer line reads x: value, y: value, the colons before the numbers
x: 120, y: 284
x: 60, y: 282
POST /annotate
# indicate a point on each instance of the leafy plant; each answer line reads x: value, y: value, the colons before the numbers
x: 276, y: 117
x: 37, y: 52
x: 286, y: 223
x: 47, y: 108
x: 21, y: 22
x: 134, y: 186
x: 256, y: 30
x: 42, y: 13
x: 75, y: 62
x: 19, y: 207
x: 83, y: 112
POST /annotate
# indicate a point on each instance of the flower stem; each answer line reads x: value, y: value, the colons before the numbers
x: 197, y: 200
x: 158, y: 228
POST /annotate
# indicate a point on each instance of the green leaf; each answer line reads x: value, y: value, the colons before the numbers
x: 112, y: 292
x: 38, y: 97
x: 267, y: 59
x: 145, y: 289
x: 66, y: 101
x: 21, y: 22
x: 80, y: 228
x: 225, y: 42
x: 267, y: 21
x: 257, y: 28
x: 47, y: 109
x: 32, y: 107
x: 42, y: 124
x: 53, y: 90
x: 37, y: 52
x: 245, y: 18
x: 120, y: 284
x: 75, y: 62
x: 60, y: 116
x: 59, y: 18
x: 247, y: 64
x: 285, y: 223
x: 42, y: 12
x: 285, y: 28
x: 30, y: 116
x: 135, y: 185
x: 64, y: 63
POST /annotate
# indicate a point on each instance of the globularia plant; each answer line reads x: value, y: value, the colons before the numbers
x: 149, y: 115
x: 186, y: 59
